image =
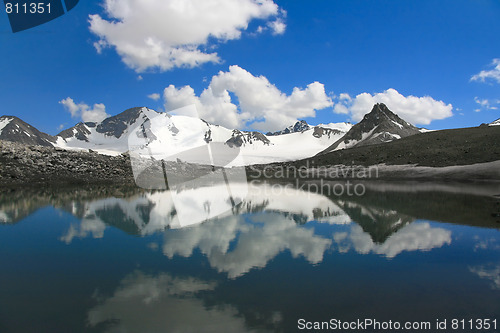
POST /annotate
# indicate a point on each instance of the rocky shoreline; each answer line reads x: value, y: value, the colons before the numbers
x: 37, y: 165
x: 470, y: 156
x: 34, y: 165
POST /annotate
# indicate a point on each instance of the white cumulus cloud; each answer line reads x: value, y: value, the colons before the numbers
x: 163, y: 34
x: 154, y: 96
x: 260, y: 104
x: 492, y: 74
x: 416, y: 110
x: 278, y: 27
x: 83, y: 111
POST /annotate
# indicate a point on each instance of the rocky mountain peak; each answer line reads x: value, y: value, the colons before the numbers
x: 381, y: 108
x: 380, y: 113
x: 299, y: 126
x: 15, y: 130
x: 378, y: 126
x: 79, y: 131
x: 116, y: 125
x: 113, y: 126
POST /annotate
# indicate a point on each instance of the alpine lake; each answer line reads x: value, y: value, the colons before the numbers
x: 251, y: 257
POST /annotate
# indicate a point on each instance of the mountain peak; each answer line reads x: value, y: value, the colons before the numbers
x: 378, y: 126
x: 116, y: 125
x: 380, y: 110
x: 381, y: 107
x: 14, y: 129
x: 113, y: 126
x: 380, y: 113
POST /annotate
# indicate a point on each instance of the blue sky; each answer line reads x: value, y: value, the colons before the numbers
x: 423, y: 58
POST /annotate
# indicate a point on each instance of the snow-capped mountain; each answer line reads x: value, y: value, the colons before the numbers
x: 14, y: 129
x: 495, y: 123
x: 343, y: 127
x: 319, y: 130
x: 168, y: 135
x: 379, y: 126
x: 109, y: 136
x: 299, y: 126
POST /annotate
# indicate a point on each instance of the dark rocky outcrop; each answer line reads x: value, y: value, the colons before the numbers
x: 238, y: 138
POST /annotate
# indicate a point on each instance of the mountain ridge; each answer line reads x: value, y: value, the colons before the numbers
x: 175, y: 134
x: 111, y: 136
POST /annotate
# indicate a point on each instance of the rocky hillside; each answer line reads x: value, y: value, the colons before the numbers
x: 37, y: 165
x: 465, y: 154
x: 25, y: 164
x: 463, y: 146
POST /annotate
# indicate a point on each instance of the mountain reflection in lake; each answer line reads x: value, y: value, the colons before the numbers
x: 252, y: 257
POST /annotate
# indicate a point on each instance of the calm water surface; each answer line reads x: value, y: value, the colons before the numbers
x: 127, y: 260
